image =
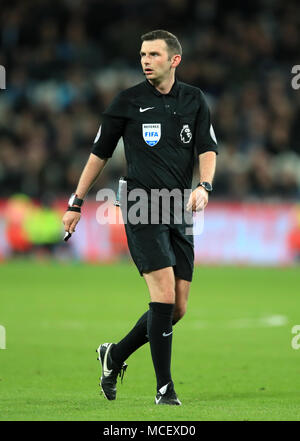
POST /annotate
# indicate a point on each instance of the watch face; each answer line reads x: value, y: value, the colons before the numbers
x: 71, y: 200
x: 207, y: 186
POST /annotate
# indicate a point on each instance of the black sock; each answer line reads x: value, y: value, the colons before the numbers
x: 159, y: 327
x: 136, y: 338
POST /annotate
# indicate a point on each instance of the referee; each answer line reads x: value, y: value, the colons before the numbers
x: 163, y: 123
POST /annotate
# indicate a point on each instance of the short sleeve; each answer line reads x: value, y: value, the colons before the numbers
x: 205, y: 135
x: 114, y: 119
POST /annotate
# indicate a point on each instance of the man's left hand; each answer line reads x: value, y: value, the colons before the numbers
x: 198, y: 200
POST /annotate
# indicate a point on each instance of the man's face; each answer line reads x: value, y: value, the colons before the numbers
x: 155, y: 60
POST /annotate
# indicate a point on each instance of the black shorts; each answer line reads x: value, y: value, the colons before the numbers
x: 157, y: 246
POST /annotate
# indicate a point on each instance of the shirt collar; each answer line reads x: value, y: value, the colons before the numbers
x: 173, y: 91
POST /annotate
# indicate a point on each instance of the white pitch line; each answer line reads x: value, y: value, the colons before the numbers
x: 259, y: 322
x: 267, y: 321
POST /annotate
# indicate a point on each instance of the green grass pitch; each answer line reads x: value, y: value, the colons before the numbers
x: 232, y: 353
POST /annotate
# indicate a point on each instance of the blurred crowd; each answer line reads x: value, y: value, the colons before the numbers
x: 66, y: 59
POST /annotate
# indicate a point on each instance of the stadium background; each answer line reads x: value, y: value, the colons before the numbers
x: 65, y: 60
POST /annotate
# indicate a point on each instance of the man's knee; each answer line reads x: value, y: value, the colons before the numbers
x: 161, y: 285
x: 167, y: 295
x: 163, y: 295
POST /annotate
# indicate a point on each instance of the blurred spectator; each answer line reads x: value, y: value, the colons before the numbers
x: 31, y: 227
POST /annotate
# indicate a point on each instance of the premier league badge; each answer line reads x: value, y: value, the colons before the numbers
x: 186, y: 134
x: 151, y: 133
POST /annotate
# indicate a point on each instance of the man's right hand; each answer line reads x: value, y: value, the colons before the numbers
x: 70, y: 220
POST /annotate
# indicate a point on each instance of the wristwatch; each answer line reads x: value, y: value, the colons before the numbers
x: 74, y: 200
x: 206, y: 185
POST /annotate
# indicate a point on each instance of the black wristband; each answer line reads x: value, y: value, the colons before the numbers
x: 77, y: 201
x: 77, y: 209
x: 74, y: 200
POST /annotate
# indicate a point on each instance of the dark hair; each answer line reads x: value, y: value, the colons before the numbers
x: 172, y: 42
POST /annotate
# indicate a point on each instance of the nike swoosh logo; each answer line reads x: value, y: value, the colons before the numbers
x: 166, y: 335
x: 163, y: 389
x: 146, y: 108
x: 105, y: 370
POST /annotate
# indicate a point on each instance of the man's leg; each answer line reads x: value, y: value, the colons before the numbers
x: 182, y: 289
x: 138, y: 336
x: 161, y: 285
x: 117, y: 354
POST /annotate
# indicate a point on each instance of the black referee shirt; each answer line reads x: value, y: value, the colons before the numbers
x: 161, y: 133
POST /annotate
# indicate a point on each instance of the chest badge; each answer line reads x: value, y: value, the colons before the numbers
x: 186, y: 134
x: 151, y: 133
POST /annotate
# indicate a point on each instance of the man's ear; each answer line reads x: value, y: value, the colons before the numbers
x: 175, y: 60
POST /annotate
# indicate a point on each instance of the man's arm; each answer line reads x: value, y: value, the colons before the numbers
x: 89, y: 175
x: 207, y: 166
